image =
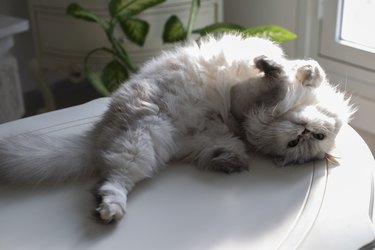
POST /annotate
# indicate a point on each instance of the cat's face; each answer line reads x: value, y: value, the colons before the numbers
x: 297, y: 136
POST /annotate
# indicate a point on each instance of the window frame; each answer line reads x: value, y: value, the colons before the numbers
x: 332, y: 46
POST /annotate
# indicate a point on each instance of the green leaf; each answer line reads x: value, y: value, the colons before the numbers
x: 219, y: 27
x: 272, y: 32
x: 174, y: 30
x: 114, y: 73
x: 77, y: 11
x: 131, y: 7
x: 135, y: 29
x: 97, y: 82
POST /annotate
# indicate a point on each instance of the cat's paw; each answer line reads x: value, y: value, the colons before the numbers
x: 269, y: 66
x: 309, y: 73
x: 228, y: 162
x: 110, y: 212
x: 111, y: 200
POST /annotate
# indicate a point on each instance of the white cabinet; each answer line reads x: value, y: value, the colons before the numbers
x: 11, y: 100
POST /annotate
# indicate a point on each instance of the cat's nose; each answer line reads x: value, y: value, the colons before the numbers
x: 306, y: 131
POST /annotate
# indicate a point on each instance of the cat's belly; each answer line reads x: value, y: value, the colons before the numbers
x: 187, y: 109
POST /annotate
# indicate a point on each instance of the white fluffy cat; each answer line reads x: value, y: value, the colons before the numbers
x: 200, y: 103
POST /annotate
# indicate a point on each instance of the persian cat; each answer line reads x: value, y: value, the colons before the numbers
x: 205, y: 103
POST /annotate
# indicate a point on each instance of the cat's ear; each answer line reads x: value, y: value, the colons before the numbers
x: 268, y: 66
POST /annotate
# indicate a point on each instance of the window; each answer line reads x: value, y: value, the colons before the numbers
x: 347, y: 32
x: 340, y: 35
x: 357, y: 21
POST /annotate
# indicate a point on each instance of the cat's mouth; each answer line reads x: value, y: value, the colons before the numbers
x: 282, y: 162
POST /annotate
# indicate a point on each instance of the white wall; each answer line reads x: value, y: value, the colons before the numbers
x: 251, y: 13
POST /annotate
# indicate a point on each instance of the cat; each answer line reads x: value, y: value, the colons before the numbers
x: 205, y: 103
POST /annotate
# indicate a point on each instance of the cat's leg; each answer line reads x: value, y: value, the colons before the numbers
x: 266, y: 90
x: 132, y: 156
x: 215, y: 148
x: 111, y: 196
x: 270, y: 67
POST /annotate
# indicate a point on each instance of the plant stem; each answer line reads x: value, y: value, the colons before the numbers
x: 94, y: 77
x: 194, y: 9
x: 120, y: 52
x: 88, y: 55
x: 123, y: 55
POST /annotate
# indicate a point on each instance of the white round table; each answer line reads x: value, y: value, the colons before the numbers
x: 311, y: 206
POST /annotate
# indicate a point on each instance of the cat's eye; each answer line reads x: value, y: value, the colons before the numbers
x: 293, y: 143
x: 319, y: 136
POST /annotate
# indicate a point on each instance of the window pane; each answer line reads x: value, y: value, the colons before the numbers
x: 358, y: 21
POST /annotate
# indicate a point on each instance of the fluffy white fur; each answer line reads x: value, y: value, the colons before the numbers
x: 202, y: 103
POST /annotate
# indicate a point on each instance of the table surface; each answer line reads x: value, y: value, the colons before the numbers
x: 311, y: 206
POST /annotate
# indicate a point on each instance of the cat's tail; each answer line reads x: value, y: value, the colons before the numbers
x: 35, y: 159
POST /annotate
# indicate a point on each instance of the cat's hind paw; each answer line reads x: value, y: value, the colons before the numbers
x: 111, y: 200
x: 110, y: 212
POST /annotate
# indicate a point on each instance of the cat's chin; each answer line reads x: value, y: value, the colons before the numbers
x: 329, y: 158
x: 283, y: 161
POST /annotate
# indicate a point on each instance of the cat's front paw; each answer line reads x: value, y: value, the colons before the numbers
x: 309, y: 73
x: 228, y: 162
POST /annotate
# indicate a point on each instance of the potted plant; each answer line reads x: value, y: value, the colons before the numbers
x: 124, y: 13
